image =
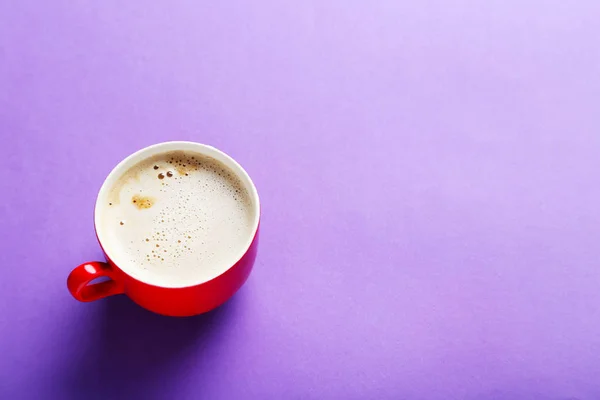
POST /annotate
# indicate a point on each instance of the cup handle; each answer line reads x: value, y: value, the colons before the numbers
x: 79, y: 279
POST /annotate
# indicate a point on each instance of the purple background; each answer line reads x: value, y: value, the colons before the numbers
x: 429, y: 178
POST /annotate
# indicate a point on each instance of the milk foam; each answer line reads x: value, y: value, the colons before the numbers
x: 181, y: 216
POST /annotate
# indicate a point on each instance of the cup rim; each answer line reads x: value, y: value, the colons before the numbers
x: 159, y: 148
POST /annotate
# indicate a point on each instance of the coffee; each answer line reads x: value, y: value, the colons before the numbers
x: 180, y: 216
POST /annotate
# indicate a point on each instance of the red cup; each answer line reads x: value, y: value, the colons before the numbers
x: 194, y: 298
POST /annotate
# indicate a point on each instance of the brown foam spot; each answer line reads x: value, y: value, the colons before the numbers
x: 142, y: 202
x: 184, y: 164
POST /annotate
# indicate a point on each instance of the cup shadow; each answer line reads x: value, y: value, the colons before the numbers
x: 136, y: 352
